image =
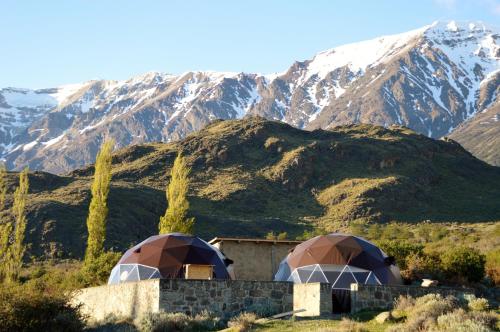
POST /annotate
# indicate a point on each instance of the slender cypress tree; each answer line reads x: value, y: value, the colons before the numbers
x: 3, y: 186
x: 175, y: 218
x: 17, y: 248
x: 98, y: 210
x: 5, y: 224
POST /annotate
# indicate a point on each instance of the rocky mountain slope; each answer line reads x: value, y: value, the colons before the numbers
x: 253, y: 176
x: 431, y: 80
x: 481, y: 134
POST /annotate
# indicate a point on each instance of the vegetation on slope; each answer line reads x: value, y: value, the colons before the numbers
x: 481, y: 135
x: 253, y: 176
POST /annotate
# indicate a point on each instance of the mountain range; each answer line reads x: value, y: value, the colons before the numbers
x: 252, y: 176
x: 440, y: 80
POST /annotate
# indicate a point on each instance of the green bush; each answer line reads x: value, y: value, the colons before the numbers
x: 419, y: 266
x: 462, y: 321
x: 492, y: 266
x: 478, y: 304
x: 30, y: 307
x: 400, y: 250
x: 97, y: 271
x: 463, y: 264
x: 433, y: 312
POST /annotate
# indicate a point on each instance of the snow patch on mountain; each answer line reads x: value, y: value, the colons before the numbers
x: 442, y: 67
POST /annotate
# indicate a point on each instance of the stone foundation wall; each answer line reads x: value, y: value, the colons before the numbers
x: 225, y: 298
x: 382, y: 297
x: 124, y: 300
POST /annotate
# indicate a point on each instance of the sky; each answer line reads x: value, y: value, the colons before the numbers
x: 55, y: 42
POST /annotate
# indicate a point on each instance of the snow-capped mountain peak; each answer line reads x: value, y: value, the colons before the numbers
x: 430, y: 79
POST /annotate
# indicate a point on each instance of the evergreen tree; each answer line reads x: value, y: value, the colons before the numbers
x: 98, y: 210
x: 175, y: 218
x: 3, y: 186
x: 5, y: 224
x: 16, y: 250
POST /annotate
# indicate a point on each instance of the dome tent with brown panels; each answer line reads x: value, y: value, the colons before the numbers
x: 338, y: 259
x: 164, y: 256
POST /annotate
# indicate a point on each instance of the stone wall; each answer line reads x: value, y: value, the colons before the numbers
x: 124, y: 300
x: 382, y: 297
x: 225, y: 298
x: 314, y: 298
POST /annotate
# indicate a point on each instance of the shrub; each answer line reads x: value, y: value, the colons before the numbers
x: 112, y: 323
x: 492, y: 266
x: 421, y: 266
x: 462, y: 321
x: 463, y: 263
x: 96, y: 272
x: 243, y: 322
x: 433, y: 312
x: 478, y: 304
x: 421, y: 313
x: 486, y: 318
x: 400, y: 250
x: 404, y: 303
x: 279, y: 236
x: 349, y: 325
x: 434, y: 305
x: 30, y: 307
x: 166, y: 321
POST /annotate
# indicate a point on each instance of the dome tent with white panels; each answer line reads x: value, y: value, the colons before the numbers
x: 164, y: 256
x: 340, y: 260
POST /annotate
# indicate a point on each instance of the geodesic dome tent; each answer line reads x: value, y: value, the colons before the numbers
x: 164, y: 256
x: 338, y: 259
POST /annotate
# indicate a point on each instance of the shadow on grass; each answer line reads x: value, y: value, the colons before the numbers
x: 365, y: 315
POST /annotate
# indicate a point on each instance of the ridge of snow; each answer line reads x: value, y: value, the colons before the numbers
x: 358, y: 56
x: 66, y: 91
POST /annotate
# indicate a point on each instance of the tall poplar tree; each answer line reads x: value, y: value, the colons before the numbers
x: 5, y: 224
x: 16, y: 250
x: 3, y: 186
x: 98, y: 210
x: 175, y: 218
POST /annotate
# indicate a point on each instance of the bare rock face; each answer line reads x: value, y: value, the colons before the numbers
x: 384, y: 317
x: 432, y: 80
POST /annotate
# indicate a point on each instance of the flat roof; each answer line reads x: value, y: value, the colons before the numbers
x: 235, y: 239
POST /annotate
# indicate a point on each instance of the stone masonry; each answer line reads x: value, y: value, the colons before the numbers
x: 382, y: 297
x: 123, y: 300
x: 224, y: 298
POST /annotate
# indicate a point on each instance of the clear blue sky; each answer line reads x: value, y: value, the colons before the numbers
x: 53, y: 42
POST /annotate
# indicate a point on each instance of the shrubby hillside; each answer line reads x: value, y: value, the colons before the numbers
x: 253, y: 176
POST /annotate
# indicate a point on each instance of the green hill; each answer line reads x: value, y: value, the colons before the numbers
x: 253, y: 176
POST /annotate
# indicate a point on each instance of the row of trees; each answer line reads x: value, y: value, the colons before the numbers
x: 97, y: 260
x: 12, y: 229
x: 175, y: 218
